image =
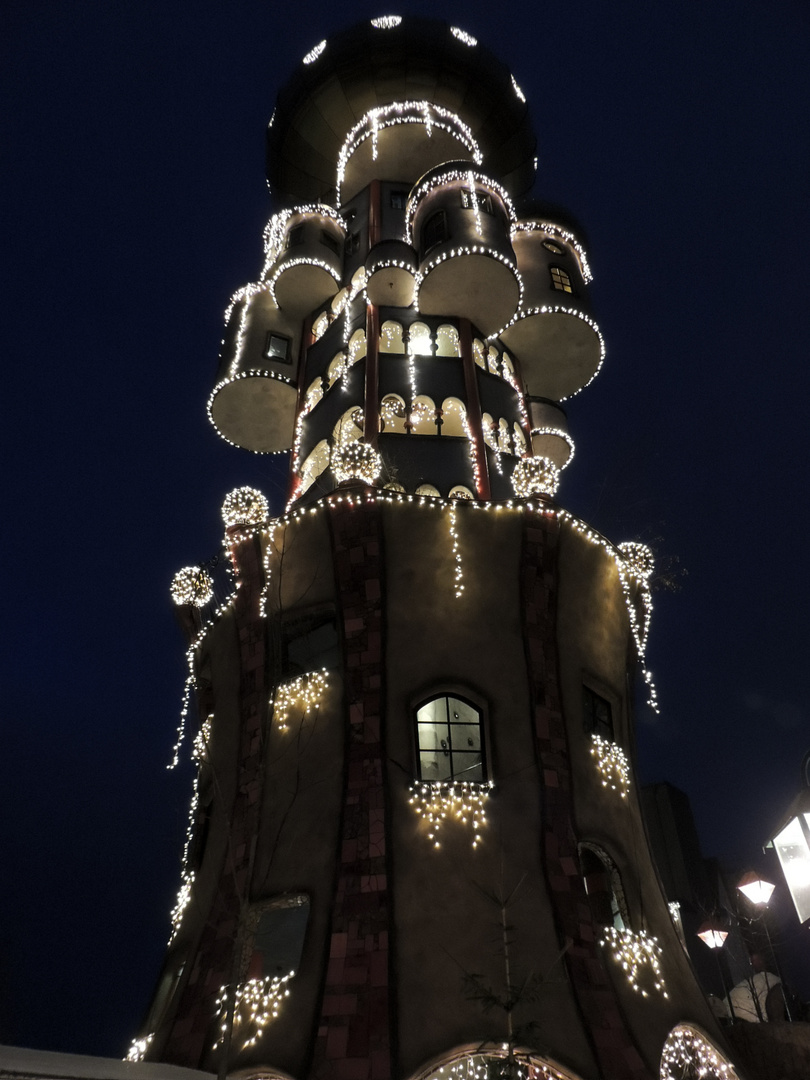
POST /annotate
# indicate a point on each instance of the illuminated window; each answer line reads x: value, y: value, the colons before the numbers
x: 597, y: 714
x: 560, y: 279
x: 295, y: 236
x: 449, y: 740
x: 603, y: 886
x: 434, y: 231
x: 481, y: 199
x: 277, y: 348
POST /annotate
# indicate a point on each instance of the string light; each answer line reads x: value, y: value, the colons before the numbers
x: 300, y: 260
x: 304, y: 693
x: 138, y: 1048
x: 314, y: 53
x: 639, y: 955
x: 386, y: 22
x: 356, y: 461
x: 556, y: 230
x: 459, y: 801
x: 535, y: 476
x: 444, y: 175
x: 182, y: 902
x: 404, y: 112
x: 257, y: 1003
x: 192, y: 585
x: 464, y: 37
x: 687, y: 1052
x: 245, y: 506
x: 612, y: 763
x: 499, y: 1062
x: 553, y: 309
x: 263, y: 373
x: 275, y: 231
x: 458, y: 574
x: 518, y: 92
x: 635, y: 566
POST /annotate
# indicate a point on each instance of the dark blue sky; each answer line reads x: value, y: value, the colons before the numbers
x: 132, y: 142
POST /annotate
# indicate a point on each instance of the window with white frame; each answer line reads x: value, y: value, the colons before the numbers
x: 449, y: 737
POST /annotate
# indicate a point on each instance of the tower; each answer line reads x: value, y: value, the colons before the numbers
x: 415, y: 844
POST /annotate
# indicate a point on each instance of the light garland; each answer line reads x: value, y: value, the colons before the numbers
x: 639, y: 955
x: 557, y: 230
x: 612, y: 764
x: 386, y: 22
x: 558, y: 433
x: 300, y: 260
x: 443, y: 176
x: 258, y: 1002
x: 471, y: 249
x: 138, y: 1047
x: 193, y: 586
x: 535, y: 476
x: 182, y: 902
x: 252, y: 374
x: 245, y: 506
x: 458, y: 574
x: 518, y: 92
x: 638, y: 559
x: 461, y: 801
x: 553, y: 309
x: 275, y: 231
x: 635, y: 565
x: 500, y: 1061
x: 314, y: 53
x: 688, y: 1053
x: 463, y: 37
x: 356, y: 461
x: 304, y: 693
x: 404, y: 112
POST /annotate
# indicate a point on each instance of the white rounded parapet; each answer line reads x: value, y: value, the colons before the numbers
x: 550, y: 438
x: 391, y: 274
x: 401, y: 141
x: 558, y: 344
x: 304, y: 263
x: 460, y: 222
x: 253, y: 401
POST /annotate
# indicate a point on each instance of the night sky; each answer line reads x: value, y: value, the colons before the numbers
x: 134, y: 200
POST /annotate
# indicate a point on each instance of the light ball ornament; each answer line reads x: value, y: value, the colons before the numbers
x: 535, y: 476
x: 356, y: 461
x: 192, y: 585
x: 638, y: 559
x: 245, y: 506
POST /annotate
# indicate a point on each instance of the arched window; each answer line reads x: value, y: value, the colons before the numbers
x: 519, y: 440
x: 314, y: 395
x: 479, y: 355
x: 490, y: 431
x: 419, y: 343
x: 337, y: 368
x: 429, y: 490
x: 493, y: 360
x: 357, y: 346
x: 603, y: 886
x: 391, y: 337
x: 423, y: 415
x: 320, y: 326
x: 560, y: 279
x: 447, y: 343
x: 453, y: 415
x: 504, y: 440
x: 315, y: 463
x: 349, y: 427
x: 393, y: 414
x: 449, y: 740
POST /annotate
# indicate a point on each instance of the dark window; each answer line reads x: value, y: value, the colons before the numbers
x: 553, y: 246
x: 277, y: 347
x: 604, y: 888
x: 276, y: 937
x: 399, y: 200
x: 352, y: 245
x: 199, y: 836
x: 560, y: 279
x: 481, y: 199
x: 311, y: 646
x: 330, y: 241
x: 449, y: 738
x: 434, y: 231
x: 295, y: 236
x: 597, y: 714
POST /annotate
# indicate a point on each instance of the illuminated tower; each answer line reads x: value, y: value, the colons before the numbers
x: 415, y: 844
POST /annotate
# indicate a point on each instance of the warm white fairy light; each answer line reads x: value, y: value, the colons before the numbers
x: 257, y: 1003
x: 638, y: 558
x: 470, y: 249
x: 553, y: 309
x: 463, y: 36
x: 245, y: 506
x: 518, y: 92
x: 138, y: 1048
x: 404, y: 112
x: 639, y: 955
x: 276, y: 229
x: 497, y: 1061
x: 556, y: 230
x: 301, y: 260
x: 356, y: 461
x: 182, y: 902
x: 687, y: 1053
x: 635, y: 565
x: 612, y: 764
x: 458, y: 574
x: 386, y: 22
x: 263, y: 373
x: 455, y: 801
x: 474, y: 202
x: 558, y: 433
x: 314, y: 53
x: 535, y: 476
x: 440, y: 178
x: 302, y: 694
x: 192, y: 585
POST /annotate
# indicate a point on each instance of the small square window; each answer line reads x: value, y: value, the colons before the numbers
x: 277, y: 348
x: 352, y: 245
x: 399, y: 200
x: 274, y: 938
x: 311, y: 647
x: 330, y: 241
x: 481, y: 199
x: 560, y: 279
x: 295, y: 236
x: 434, y: 231
x: 449, y: 737
x: 597, y: 714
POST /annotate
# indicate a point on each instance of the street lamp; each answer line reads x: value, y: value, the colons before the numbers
x: 713, y: 933
x: 755, y: 888
x: 792, y: 842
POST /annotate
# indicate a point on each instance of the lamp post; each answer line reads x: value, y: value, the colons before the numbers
x: 713, y: 934
x: 758, y: 891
